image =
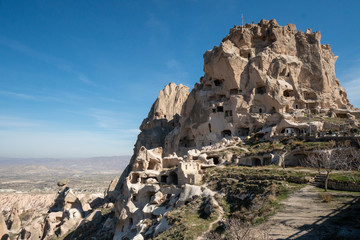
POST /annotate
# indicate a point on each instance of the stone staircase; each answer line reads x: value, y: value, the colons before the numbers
x: 319, y: 180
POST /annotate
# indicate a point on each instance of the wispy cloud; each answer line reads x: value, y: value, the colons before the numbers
x: 18, y: 95
x: 16, y: 122
x: 59, y: 63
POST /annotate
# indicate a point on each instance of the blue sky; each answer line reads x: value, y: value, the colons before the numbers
x: 78, y: 77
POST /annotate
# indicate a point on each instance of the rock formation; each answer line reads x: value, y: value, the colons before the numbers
x: 262, y: 81
x: 163, y: 118
x: 258, y: 79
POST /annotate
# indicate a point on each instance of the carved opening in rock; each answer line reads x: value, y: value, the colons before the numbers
x: 209, y: 127
x: 296, y: 106
x: 256, y: 162
x: 288, y: 93
x: 131, y: 221
x: 135, y: 177
x: 214, y: 110
x: 163, y: 179
x: 234, y: 91
x: 341, y: 115
x: 260, y: 110
x: 187, y: 142
x: 293, y: 160
x: 310, y: 95
x: 218, y: 82
x: 157, y: 114
x: 152, y: 164
x: 149, y: 195
x: 245, y: 54
x: 226, y: 133
x: 216, y: 160
x: 220, y: 109
x: 134, y: 197
x: 228, y: 113
x: 261, y: 90
x: 243, y: 131
x: 267, y: 160
x: 173, y: 178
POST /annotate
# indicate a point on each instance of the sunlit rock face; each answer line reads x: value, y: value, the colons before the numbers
x: 258, y: 81
x: 258, y: 76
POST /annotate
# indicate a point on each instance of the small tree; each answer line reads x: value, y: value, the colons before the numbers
x: 329, y: 160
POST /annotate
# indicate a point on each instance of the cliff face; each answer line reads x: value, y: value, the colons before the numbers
x: 259, y: 75
x: 163, y: 117
x: 260, y: 80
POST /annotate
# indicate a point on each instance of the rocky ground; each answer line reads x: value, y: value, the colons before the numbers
x: 305, y: 215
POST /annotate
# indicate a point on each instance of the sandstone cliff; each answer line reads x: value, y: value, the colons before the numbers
x: 259, y: 75
x: 262, y: 80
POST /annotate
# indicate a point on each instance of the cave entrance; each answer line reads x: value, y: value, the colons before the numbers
x: 135, y: 177
x: 226, y: 133
x: 173, y: 178
x: 256, y: 162
x: 163, y: 179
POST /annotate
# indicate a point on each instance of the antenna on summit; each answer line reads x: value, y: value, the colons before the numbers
x: 242, y: 20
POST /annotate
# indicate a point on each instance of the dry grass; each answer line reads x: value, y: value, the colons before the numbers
x: 326, y: 197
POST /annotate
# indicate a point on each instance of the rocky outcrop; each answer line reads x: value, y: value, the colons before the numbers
x: 163, y: 118
x: 3, y: 228
x: 260, y: 75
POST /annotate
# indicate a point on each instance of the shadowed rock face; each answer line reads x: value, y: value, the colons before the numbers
x: 163, y: 117
x: 258, y: 75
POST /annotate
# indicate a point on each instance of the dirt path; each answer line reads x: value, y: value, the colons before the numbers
x: 221, y: 215
x: 305, y: 216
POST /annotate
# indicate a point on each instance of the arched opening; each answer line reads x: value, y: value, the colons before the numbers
x: 216, y: 160
x: 256, y: 162
x: 288, y: 93
x: 260, y: 110
x: 226, y: 133
x: 260, y: 90
x: 220, y: 109
x: 209, y: 127
x: 173, y: 178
